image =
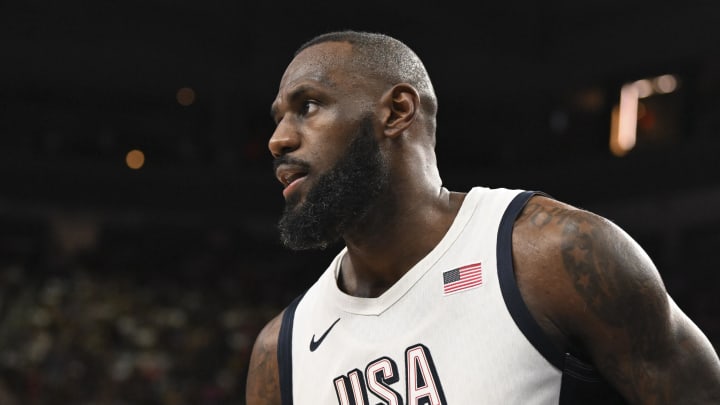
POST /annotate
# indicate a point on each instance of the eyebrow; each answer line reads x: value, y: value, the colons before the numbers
x: 295, y: 94
x: 302, y: 89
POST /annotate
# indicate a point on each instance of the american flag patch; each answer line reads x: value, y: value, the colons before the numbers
x: 462, y: 278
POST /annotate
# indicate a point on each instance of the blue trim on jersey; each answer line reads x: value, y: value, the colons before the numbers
x: 284, y: 352
x: 508, y: 285
x: 581, y: 384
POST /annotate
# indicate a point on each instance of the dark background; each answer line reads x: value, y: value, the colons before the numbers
x: 122, y: 286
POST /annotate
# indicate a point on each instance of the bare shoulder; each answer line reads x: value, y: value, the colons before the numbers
x: 263, y: 381
x: 574, y: 255
x: 593, y: 289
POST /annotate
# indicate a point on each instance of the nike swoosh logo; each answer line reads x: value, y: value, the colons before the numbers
x: 314, y: 344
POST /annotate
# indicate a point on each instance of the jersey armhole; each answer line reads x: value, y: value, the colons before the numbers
x: 284, y: 352
x: 581, y: 383
x: 508, y: 285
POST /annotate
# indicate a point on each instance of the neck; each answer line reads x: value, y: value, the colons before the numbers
x: 405, y: 228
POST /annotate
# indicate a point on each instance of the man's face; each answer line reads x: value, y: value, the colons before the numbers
x: 340, y: 198
x: 325, y: 147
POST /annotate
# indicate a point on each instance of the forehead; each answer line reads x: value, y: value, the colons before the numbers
x: 324, y: 63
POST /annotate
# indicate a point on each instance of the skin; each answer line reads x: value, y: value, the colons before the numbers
x: 596, y: 292
x: 591, y: 288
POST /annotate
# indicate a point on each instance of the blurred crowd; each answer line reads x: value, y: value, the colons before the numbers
x: 142, y: 317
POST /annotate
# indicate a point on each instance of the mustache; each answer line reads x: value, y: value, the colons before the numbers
x: 292, y: 161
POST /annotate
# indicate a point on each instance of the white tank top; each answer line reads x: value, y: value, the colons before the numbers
x: 443, y: 334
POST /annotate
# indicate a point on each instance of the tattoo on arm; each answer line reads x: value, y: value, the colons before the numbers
x: 609, y: 276
x: 589, y: 270
x: 591, y: 257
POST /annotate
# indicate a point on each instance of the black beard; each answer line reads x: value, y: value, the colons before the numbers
x: 340, y: 199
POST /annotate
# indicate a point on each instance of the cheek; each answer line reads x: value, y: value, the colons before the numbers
x: 325, y: 150
x: 324, y: 158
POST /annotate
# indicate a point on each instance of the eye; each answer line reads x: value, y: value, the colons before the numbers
x: 308, y: 107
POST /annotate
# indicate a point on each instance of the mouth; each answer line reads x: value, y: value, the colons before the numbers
x: 290, y: 177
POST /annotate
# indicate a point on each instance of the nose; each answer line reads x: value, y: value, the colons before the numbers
x: 284, y: 140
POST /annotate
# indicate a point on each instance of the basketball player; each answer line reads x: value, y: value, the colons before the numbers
x: 490, y: 296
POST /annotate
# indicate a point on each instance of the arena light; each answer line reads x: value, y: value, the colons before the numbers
x: 185, y: 96
x: 135, y: 159
x: 623, y: 131
x: 644, y: 88
x: 665, y: 84
x: 625, y: 115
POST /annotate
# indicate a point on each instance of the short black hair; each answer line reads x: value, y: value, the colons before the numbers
x: 384, y: 57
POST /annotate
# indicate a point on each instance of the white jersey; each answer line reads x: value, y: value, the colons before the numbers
x: 452, y: 330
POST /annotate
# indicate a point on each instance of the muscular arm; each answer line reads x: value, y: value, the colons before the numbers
x: 593, y: 289
x: 263, y: 382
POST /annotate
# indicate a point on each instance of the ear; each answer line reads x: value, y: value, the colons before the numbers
x: 401, y: 104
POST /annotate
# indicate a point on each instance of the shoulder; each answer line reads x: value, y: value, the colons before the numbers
x: 579, y: 271
x: 596, y: 292
x: 263, y: 381
x: 575, y: 241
